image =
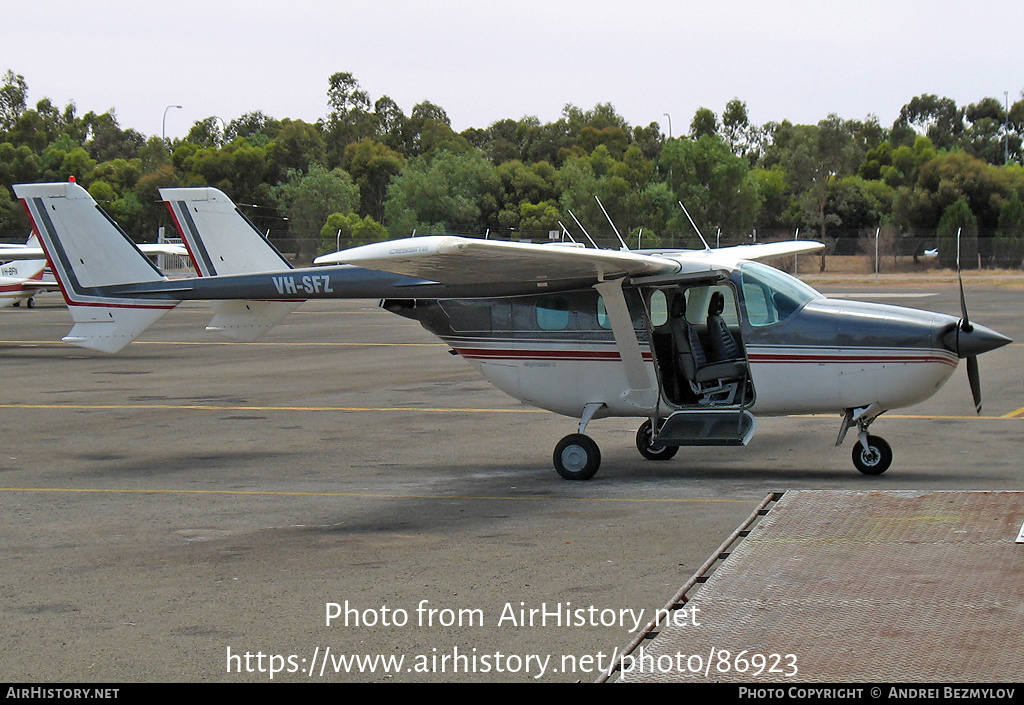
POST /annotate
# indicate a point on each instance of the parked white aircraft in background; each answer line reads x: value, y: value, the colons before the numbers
x: 697, y: 342
x: 25, y: 271
x: 22, y: 274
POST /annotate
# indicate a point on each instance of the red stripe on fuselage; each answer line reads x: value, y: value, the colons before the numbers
x: 508, y: 354
x: 819, y: 358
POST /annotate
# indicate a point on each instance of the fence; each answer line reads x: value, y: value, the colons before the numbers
x: 845, y: 250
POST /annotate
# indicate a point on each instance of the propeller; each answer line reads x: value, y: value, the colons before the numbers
x: 972, y: 340
x: 973, y: 375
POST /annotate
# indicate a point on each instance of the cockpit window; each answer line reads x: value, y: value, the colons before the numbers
x: 770, y: 295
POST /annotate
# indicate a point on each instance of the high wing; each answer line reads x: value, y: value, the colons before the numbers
x: 460, y: 260
x: 767, y: 250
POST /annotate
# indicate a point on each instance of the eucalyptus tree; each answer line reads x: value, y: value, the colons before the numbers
x: 442, y: 192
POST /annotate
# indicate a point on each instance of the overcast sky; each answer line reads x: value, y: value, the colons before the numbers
x: 484, y: 61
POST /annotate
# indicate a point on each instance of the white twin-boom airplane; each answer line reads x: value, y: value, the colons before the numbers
x: 697, y: 343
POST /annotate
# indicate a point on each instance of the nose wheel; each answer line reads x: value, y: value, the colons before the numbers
x: 577, y: 457
x: 873, y: 457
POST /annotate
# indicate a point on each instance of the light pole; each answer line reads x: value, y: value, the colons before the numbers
x: 1006, y: 128
x: 669, y: 124
x: 163, y: 132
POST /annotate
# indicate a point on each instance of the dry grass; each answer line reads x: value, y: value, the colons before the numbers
x: 854, y: 270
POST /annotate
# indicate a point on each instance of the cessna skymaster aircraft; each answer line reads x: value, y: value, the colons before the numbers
x: 697, y: 342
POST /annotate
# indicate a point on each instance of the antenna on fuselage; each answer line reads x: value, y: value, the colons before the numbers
x: 706, y: 245
x: 565, y: 231
x: 624, y: 245
x: 584, y: 230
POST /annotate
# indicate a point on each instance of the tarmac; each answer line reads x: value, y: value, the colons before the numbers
x: 344, y: 501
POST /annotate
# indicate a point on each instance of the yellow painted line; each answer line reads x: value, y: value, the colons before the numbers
x: 966, y: 417
x: 947, y: 417
x: 370, y: 495
x: 57, y: 343
x: 225, y: 407
x: 1015, y: 415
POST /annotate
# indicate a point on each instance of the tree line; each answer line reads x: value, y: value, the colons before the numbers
x: 368, y: 171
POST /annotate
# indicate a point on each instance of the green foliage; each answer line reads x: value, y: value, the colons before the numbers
x: 441, y: 192
x: 714, y: 184
x: 308, y: 198
x: 1008, y: 248
x: 704, y: 124
x: 833, y: 178
x: 297, y: 146
x: 859, y: 204
x: 12, y: 215
x: 372, y: 166
x: 108, y: 141
x: 958, y: 217
x: 344, y: 230
x: 537, y: 219
x: 13, y: 99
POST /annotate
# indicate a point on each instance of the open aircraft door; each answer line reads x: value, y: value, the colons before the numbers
x: 700, y: 359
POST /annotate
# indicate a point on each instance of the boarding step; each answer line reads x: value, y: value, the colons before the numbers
x: 707, y: 427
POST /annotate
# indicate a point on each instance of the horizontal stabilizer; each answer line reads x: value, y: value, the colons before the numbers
x: 109, y: 329
x: 248, y: 320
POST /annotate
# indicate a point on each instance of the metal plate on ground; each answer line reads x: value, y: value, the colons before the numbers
x: 844, y: 586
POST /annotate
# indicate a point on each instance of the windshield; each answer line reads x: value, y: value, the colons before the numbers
x: 770, y: 295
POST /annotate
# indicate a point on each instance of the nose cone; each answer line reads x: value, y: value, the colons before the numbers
x: 977, y: 340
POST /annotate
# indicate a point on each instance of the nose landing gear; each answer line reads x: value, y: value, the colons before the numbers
x: 871, y: 455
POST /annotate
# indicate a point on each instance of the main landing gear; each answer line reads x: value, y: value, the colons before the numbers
x: 648, y: 448
x: 577, y: 456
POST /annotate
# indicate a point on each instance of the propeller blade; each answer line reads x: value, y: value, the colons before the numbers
x: 973, y: 376
x: 975, y: 380
x: 965, y: 322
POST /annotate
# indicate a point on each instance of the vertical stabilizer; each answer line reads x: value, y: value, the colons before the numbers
x: 219, y: 237
x: 221, y: 240
x: 91, y: 256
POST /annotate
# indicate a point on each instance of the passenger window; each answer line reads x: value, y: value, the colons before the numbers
x: 553, y: 313
x: 699, y: 297
x: 659, y: 308
x: 603, y: 319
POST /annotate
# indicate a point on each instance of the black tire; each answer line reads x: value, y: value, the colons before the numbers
x: 31, y: 303
x: 577, y: 457
x: 650, y: 451
x: 873, y: 460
